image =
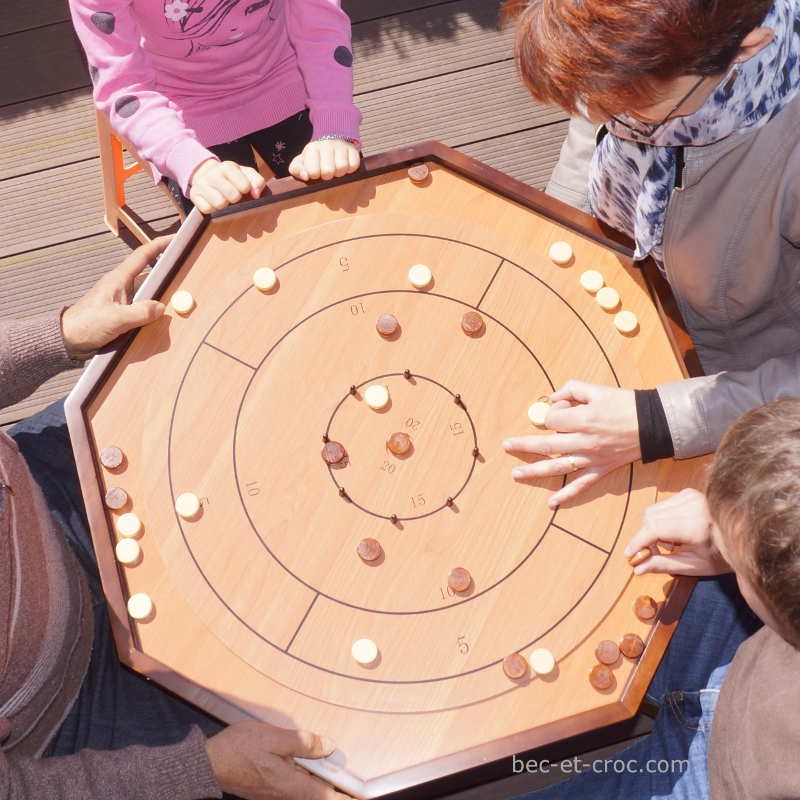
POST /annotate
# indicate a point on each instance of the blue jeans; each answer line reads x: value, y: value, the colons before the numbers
x: 116, y: 707
x: 670, y: 762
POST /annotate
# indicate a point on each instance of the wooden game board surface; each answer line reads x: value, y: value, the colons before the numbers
x: 259, y: 600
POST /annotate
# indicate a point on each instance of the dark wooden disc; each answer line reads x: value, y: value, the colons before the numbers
x: 645, y: 607
x: 387, y: 325
x: 631, y: 645
x: 601, y: 677
x: 472, y: 323
x: 369, y: 550
x: 116, y: 498
x: 399, y: 444
x: 333, y: 453
x: 607, y: 652
x: 419, y: 173
x: 111, y: 457
x: 459, y: 579
x: 640, y: 556
x: 515, y: 666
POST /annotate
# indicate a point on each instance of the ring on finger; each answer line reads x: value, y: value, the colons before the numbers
x: 573, y: 464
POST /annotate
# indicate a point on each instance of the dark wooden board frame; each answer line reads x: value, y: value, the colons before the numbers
x: 89, y: 470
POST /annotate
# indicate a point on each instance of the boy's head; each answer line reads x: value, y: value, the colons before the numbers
x: 754, y: 498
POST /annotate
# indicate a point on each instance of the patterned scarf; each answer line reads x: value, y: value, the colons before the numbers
x: 632, y: 176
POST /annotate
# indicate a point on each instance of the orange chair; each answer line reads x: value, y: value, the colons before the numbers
x: 115, y: 172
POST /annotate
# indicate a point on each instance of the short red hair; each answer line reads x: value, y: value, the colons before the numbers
x: 614, y: 53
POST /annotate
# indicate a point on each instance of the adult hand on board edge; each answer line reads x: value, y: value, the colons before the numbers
x: 596, y: 431
x: 253, y: 760
x: 105, y: 311
x: 683, y: 524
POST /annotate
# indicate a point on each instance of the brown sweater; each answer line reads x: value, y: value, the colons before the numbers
x: 46, y: 628
x: 755, y: 734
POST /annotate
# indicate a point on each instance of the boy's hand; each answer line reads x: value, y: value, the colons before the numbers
x: 214, y: 185
x: 326, y: 159
x: 684, y: 524
x: 106, y: 311
x: 253, y: 760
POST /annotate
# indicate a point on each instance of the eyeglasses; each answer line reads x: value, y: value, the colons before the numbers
x: 650, y: 130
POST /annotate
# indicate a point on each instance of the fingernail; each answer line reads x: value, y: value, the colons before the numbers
x: 552, y: 504
x: 638, y: 570
x: 328, y: 746
x: 517, y: 473
x: 627, y: 552
x: 507, y: 444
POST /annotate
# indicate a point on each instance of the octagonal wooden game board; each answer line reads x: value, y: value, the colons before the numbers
x: 259, y: 598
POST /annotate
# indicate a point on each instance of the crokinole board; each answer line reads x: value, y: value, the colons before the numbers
x: 258, y: 600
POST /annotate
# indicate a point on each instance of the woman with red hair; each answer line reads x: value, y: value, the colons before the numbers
x: 698, y: 161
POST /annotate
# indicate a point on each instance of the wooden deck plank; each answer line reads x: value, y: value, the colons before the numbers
x: 528, y: 156
x: 423, y: 44
x: 36, y: 139
x: 44, y: 61
x: 17, y: 17
x: 469, y: 106
x: 65, y: 204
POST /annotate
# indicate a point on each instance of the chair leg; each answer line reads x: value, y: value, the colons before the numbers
x: 115, y: 173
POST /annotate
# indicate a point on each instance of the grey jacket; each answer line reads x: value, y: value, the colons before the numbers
x: 732, y: 257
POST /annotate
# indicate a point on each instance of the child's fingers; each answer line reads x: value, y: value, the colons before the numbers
x: 327, y: 160
x: 228, y: 190
x: 256, y: 181
x: 297, y: 168
x: 214, y: 199
x: 311, y: 161
x: 237, y: 177
x: 341, y: 159
x: 200, y: 202
x: 354, y: 158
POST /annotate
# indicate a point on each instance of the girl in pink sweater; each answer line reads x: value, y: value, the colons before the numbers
x: 197, y: 85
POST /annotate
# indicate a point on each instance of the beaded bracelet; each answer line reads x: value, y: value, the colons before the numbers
x: 329, y: 137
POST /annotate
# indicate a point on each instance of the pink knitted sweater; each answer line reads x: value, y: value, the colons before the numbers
x: 177, y: 76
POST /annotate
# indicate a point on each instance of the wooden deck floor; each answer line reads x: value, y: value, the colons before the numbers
x: 425, y: 69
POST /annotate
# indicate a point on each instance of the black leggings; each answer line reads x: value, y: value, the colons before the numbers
x: 277, y: 146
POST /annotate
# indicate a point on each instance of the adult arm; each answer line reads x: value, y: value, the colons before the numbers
x: 700, y: 410
x: 35, y: 349
x: 31, y: 351
x: 320, y: 33
x: 179, y: 772
x: 125, y: 89
x: 569, y: 181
